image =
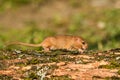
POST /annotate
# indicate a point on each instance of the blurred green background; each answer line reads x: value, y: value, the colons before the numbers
x: 97, y: 21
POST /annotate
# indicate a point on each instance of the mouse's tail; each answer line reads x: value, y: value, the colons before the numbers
x: 23, y: 44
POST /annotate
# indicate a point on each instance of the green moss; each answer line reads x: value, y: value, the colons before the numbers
x: 21, y: 64
x: 5, y: 77
x: 81, y: 61
x: 4, y: 54
x: 33, y: 76
x: 118, y: 72
x: 96, y: 77
x: 112, y: 78
x: 112, y: 65
x: 33, y: 61
x: 65, y: 77
x: 2, y: 65
x: 115, y: 64
x: 52, y: 67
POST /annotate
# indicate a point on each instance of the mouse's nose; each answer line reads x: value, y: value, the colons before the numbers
x: 85, y: 47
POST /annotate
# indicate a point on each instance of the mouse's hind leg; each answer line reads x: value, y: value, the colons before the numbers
x: 46, y: 49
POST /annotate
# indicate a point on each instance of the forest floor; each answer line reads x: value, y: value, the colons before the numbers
x: 59, y: 65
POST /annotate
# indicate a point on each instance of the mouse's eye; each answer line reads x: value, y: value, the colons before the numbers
x: 83, y: 43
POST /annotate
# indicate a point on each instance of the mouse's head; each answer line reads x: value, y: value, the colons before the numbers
x: 80, y: 44
x: 84, y: 45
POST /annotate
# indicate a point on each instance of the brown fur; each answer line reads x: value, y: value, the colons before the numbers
x: 60, y: 42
